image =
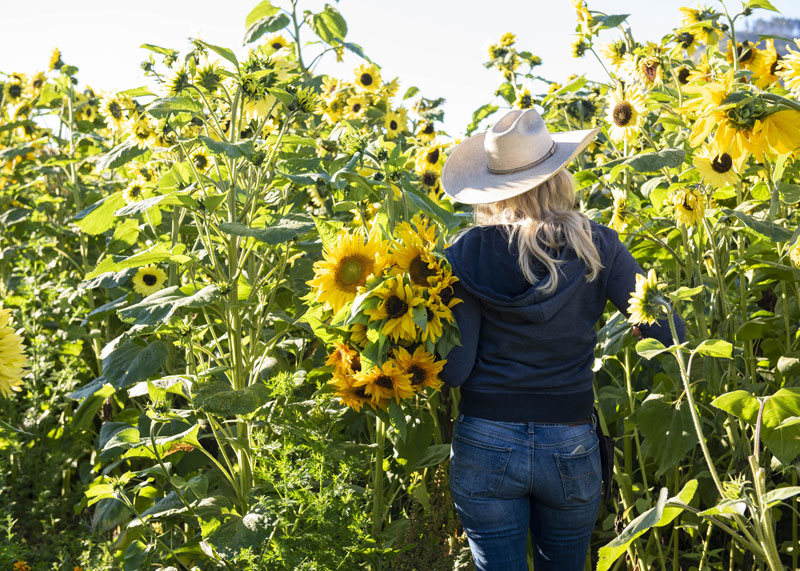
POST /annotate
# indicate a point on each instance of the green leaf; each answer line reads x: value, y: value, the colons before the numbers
x: 232, y: 150
x: 479, y: 115
x: 420, y: 316
x: 329, y: 25
x: 160, y: 306
x: 684, y: 292
x: 657, y: 516
x: 164, y: 106
x: 715, y: 348
x: 789, y: 193
x: 142, y: 91
x: 328, y: 231
x: 772, y: 231
x: 782, y: 405
x: 166, y: 445
x: 159, y: 50
x: 158, y: 252
x: 740, y: 404
x: 506, y: 91
x: 779, y: 494
x: 284, y: 230
x: 609, y: 21
x: 264, y: 18
x: 650, y: 162
x: 236, y: 534
x: 124, y: 152
x: 99, y: 217
x: 224, y: 52
x: 430, y: 208
x: 764, y: 4
x: 649, y: 348
x: 221, y: 399
x: 434, y: 455
x: 667, y: 431
x: 130, y: 363
x: 411, y: 92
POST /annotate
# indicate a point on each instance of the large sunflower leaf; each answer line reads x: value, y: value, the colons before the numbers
x: 329, y: 25
x: 287, y: 228
x: 160, y: 306
x: 158, y: 252
x: 220, y: 398
x: 99, y: 217
x: 131, y: 362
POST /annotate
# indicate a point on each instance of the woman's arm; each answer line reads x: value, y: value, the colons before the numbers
x: 460, y: 360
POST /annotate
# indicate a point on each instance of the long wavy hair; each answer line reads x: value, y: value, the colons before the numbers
x: 544, y: 217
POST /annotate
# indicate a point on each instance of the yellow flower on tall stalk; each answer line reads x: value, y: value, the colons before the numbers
x: 648, y: 70
x: 398, y: 300
x: 618, y: 222
x: 421, y: 367
x: 690, y: 205
x: 385, y: 382
x: 585, y: 19
x: 112, y: 108
x: 507, y: 40
x: 789, y: 70
x: 716, y: 166
x: 368, y: 78
x: 437, y: 313
x: 356, y: 107
x: 426, y: 131
x: 37, y: 83
x: 276, y: 42
x: 395, y: 123
x: 15, y: 89
x: 200, y: 158
x: 55, y: 62
x: 625, y: 114
x: 687, y: 40
x: 352, y: 395
x: 708, y: 32
x: 767, y: 65
x: 524, y: 99
x: 12, y: 357
x: 148, y: 280
x: 779, y: 133
x: 746, y: 52
x: 346, y: 266
x: 135, y: 190
x: 142, y: 130
x: 614, y: 52
x: 430, y: 157
x: 330, y: 87
x: 644, y: 305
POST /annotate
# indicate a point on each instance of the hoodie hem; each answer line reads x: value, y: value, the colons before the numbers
x: 527, y: 407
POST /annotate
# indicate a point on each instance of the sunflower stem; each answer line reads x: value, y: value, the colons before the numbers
x: 377, y: 481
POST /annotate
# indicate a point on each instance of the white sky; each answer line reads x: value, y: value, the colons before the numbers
x: 437, y: 45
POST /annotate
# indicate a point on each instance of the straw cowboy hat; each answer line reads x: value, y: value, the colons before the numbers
x: 515, y: 155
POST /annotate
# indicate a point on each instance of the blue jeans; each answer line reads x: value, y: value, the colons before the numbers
x: 509, y: 477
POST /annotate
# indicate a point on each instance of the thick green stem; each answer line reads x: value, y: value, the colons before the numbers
x: 377, y: 480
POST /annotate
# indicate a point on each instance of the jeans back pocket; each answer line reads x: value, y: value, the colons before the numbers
x: 477, y: 468
x: 580, y: 474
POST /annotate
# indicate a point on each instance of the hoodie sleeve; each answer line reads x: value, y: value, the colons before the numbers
x: 460, y: 360
x: 622, y: 283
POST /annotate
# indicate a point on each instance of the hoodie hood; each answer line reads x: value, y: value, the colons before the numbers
x: 486, y: 264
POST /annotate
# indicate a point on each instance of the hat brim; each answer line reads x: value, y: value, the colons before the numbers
x: 466, y: 177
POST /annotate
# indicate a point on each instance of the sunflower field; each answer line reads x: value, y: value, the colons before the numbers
x: 224, y: 302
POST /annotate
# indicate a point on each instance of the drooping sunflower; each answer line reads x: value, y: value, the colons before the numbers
x: 148, y: 280
x: 618, y: 221
x: 346, y: 266
x: 385, y: 382
x: 579, y: 46
x: 647, y: 68
x: 421, y: 367
x: 644, y: 304
x: 395, y: 123
x: 614, y: 51
x: 180, y: 82
x: 430, y: 157
x: 55, y: 62
x: 716, y: 166
x: 687, y: 40
x: 789, y: 70
x: 706, y: 19
x: 356, y: 106
x: 767, y: 65
x: 368, y: 78
x: 444, y: 292
x: 625, y: 115
x: 690, y: 205
x: 396, y: 306
x: 12, y: 357
x: 113, y: 109
x: 585, y: 19
x: 437, y: 313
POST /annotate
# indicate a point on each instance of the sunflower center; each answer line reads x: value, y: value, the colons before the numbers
x: 396, y: 307
x: 366, y: 79
x: 352, y: 272
x: 433, y: 156
x: 393, y: 125
x: 429, y: 314
x: 15, y: 90
x: 744, y: 52
x: 115, y: 110
x: 356, y: 107
x: 418, y: 374
x: 651, y: 70
x: 428, y: 130
x: 200, y: 161
x: 775, y: 64
x: 683, y: 75
x: 136, y: 191
x: 277, y: 45
x: 686, y: 205
x: 360, y: 393
x: 149, y: 279
x: 722, y: 163
x: 623, y: 113
x: 384, y: 381
x: 526, y: 102
x: 446, y: 295
x: 429, y: 178
x: 686, y: 40
x: 419, y: 271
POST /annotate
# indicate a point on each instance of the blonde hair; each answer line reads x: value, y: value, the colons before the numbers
x: 544, y: 216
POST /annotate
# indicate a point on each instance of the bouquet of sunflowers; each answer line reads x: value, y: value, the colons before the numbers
x: 385, y: 304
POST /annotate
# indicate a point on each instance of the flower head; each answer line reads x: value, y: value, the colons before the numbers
x: 422, y: 368
x: 645, y: 302
x: 690, y: 205
x: 625, y: 115
x: 148, y: 280
x: 12, y: 358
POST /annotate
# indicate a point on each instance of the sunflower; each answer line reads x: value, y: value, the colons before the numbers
x: 444, y: 292
x: 385, y: 382
x: 430, y: 180
x: 55, y: 62
x: 507, y: 40
x: 649, y: 70
x: 430, y: 157
x: 625, y: 115
x: 618, y: 222
x: 113, y: 109
x: 12, y: 358
x: 390, y: 89
x: 644, y: 304
x: 584, y: 17
x: 426, y: 131
x: 746, y: 52
x: 276, y: 42
x: 706, y: 30
x: 422, y: 231
x: 143, y: 131
x: 200, y: 158
x: 346, y: 266
x: 614, y: 51
x: 148, y: 280
x: 179, y: 82
x: 330, y: 87
x: 356, y: 106
x: 524, y: 99
x: 368, y: 78
x: 135, y: 190
x: 358, y: 334
x: 209, y: 77
x: 437, y: 313
x: 398, y: 301
x: 21, y: 565
x: 579, y: 46
x: 716, y: 166
x: 768, y: 62
x: 417, y: 260
x: 687, y: 40
x: 332, y: 109
x: 352, y: 395
x: 780, y: 132
x: 15, y: 89
x: 345, y: 359
x: 690, y: 205
x: 421, y: 367
x: 37, y: 83
x: 395, y: 123
x: 789, y: 70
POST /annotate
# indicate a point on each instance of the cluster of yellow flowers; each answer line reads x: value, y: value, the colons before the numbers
x: 392, y: 300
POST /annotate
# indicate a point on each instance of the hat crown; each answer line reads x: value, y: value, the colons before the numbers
x: 518, y: 140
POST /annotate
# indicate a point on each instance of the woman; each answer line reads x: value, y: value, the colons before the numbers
x: 534, y: 276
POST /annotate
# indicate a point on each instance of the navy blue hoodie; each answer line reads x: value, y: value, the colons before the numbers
x: 527, y: 356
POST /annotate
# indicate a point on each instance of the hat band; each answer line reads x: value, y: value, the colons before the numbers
x: 546, y: 156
